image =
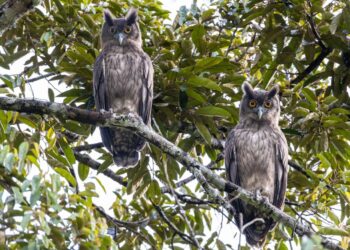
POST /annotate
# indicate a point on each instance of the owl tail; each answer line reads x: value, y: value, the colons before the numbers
x: 256, y: 233
x: 126, y: 159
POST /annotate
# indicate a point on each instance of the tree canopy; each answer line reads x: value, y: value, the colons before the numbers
x: 51, y: 174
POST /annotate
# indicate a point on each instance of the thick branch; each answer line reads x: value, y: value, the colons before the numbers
x: 12, y: 10
x: 204, y: 175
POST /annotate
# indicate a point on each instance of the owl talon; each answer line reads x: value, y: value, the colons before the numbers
x: 261, y: 195
x: 257, y: 194
x: 103, y: 111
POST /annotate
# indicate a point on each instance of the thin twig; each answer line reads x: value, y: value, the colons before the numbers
x: 128, y: 225
x: 183, y: 236
x: 88, y: 147
x: 84, y: 158
x: 187, y: 180
x: 34, y: 79
x: 251, y: 223
x: 182, y: 212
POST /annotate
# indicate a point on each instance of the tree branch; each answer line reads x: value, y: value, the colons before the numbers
x: 83, y: 158
x: 12, y: 10
x: 313, y: 65
x: 88, y: 147
x: 205, y: 176
x: 34, y: 79
x: 183, y: 236
x: 166, y: 189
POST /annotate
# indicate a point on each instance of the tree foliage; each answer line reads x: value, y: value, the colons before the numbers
x: 201, y: 60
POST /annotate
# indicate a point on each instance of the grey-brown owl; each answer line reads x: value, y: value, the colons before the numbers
x: 123, y: 83
x: 256, y: 158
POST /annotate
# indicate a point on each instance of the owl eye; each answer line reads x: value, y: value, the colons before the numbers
x: 112, y: 29
x: 267, y: 104
x: 252, y: 103
x: 127, y: 29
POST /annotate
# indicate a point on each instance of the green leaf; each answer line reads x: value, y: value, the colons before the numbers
x: 206, y: 63
x: 100, y: 183
x: 36, y: 192
x: 17, y: 194
x: 203, y: 131
x: 220, y: 245
x: 51, y: 95
x: 311, y: 97
x: 25, y: 220
x: 198, y: 37
x: 9, y: 161
x: 65, y: 174
x: 333, y: 231
x: 68, y: 152
x: 154, y: 191
x: 83, y: 171
x: 269, y: 73
x: 198, y: 81
x: 108, y: 162
x: 324, y: 161
x: 213, y: 111
x: 195, y: 95
x: 23, y: 150
x: 335, y: 22
x: 207, y: 15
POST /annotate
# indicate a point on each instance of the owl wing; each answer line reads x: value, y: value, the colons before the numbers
x: 145, y: 103
x: 281, y: 170
x: 101, y: 100
x: 230, y: 158
x: 99, y: 85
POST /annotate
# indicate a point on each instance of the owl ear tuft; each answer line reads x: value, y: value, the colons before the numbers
x: 108, y: 17
x: 275, y: 90
x: 131, y: 17
x: 248, y: 90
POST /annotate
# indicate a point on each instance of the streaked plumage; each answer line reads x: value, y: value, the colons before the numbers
x: 123, y: 82
x: 256, y: 158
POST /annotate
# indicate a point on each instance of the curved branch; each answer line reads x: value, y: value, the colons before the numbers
x: 313, y: 65
x: 205, y: 176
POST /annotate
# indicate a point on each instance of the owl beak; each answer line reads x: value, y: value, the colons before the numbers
x: 260, y: 112
x: 120, y: 37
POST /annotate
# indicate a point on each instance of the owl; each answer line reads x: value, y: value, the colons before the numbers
x: 256, y: 158
x: 123, y: 84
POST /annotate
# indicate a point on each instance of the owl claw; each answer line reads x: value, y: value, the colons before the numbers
x: 260, y: 194
x: 103, y: 111
x: 257, y: 194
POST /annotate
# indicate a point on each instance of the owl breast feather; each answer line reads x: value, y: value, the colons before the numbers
x: 257, y: 159
x: 124, y: 76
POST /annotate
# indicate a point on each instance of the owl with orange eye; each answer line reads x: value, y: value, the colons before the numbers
x: 123, y: 84
x: 256, y: 158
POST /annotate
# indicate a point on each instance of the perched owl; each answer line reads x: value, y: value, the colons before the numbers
x: 123, y: 83
x: 256, y: 158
